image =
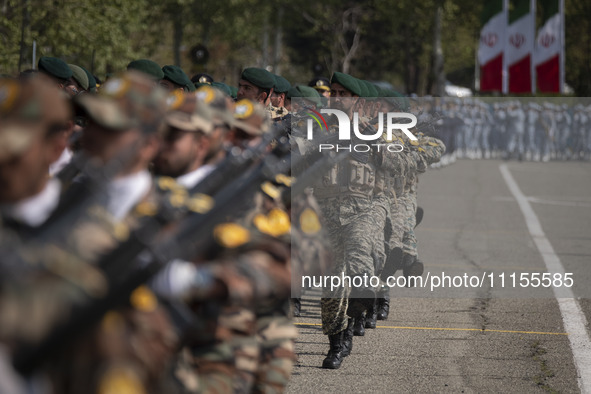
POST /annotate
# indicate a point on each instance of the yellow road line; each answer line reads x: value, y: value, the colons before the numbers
x: 453, y: 329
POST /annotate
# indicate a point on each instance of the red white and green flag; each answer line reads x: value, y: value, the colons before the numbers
x: 549, y: 49
x: 491, y: 47
x: 519, y: 45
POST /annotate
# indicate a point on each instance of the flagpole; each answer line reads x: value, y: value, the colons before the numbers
x: 505, y: 71
x: 532, y: 8
x: 562, y: 46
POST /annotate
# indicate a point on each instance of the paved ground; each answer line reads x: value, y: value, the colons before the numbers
x: 484, y: 339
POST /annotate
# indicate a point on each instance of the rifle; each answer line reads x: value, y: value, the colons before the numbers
x: 179, y: 243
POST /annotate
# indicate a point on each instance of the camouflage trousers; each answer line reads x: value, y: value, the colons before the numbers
x: 382, y: 217
x: 409, y: 240
x: 397, y: 224
x: 222, y: 352
x: 275, y: 336
x: 227, y: 367
x: 129, y: 348
x: 352, y: 229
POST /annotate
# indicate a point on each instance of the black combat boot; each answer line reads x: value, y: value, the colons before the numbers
x: 359, y: 326
x: 348, y: 339
x: 297, y: 306
x: 411, y: 268
x: 334, y: 358
x: 372, y: 315
x: 383, y: 308
x: 419, y: 216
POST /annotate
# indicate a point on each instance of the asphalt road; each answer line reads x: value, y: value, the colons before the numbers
x: 484, y: 339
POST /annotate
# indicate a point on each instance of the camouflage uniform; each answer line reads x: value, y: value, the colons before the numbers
x: 428, y: 151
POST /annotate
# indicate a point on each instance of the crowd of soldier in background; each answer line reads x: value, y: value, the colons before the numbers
x: 146, y: 235
x: 536, y: 130
x: 140, y: 251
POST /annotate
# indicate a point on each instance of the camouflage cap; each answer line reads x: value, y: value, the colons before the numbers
x: 282, y: 85
x: 320, y: 83
x: 54, y: 67
x: 148, y: 67
x: 177, y: 76
x: 79, y: 76
x: 251, y: 117
x: 126, y: 102
x: 258, y: 77
x: 221, y: 108
x: 186, y: 113
x: 348, y: 82
x: 28, y: 108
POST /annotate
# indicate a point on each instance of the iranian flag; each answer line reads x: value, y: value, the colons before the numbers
x: 548, y: 50
x: 519, y: 46
x: 490, y: 49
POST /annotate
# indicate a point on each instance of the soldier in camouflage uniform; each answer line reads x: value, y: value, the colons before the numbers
x: 346, y: 203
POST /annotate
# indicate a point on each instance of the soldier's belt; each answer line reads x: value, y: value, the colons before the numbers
x: 339, y: 192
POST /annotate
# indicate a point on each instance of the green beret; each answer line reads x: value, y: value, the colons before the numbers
x: 55, y: 67
x: 348, y: 82
x: 152, y: 69
x: 79, y: 76
x: 363, y: 88
x: 91, y: 80
x: 304, y: 92
x: 397, y: 99
x: 258, y: 77
x: 373, y: 91
x: 282, y: 85
x: 234, y: 91
x: 177, y: 76
x: 223, y: 87
x: 381, y: 92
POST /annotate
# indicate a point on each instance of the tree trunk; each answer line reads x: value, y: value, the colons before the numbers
x: 438, y: 72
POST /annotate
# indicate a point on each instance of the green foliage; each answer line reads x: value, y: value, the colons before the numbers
x: 372, y: 39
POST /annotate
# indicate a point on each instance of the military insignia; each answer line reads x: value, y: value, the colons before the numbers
x: 276, y: 223
x: 205, y: 94
x: 146, y: 208
x: 121, y: 381
x: 143, y: 299
x: 309, y: 222
x: 8, y: 94
x: 178, y: 198
x: 200, y: 203
x: 231, y: 235
x: 243, y: 109
x: 113, y: 322
x: 116, y: 87
x: 175, y: 99
x: 120, y: 231
x: 167, y: 183
x: 271, y: 190
x: 284, y: 179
